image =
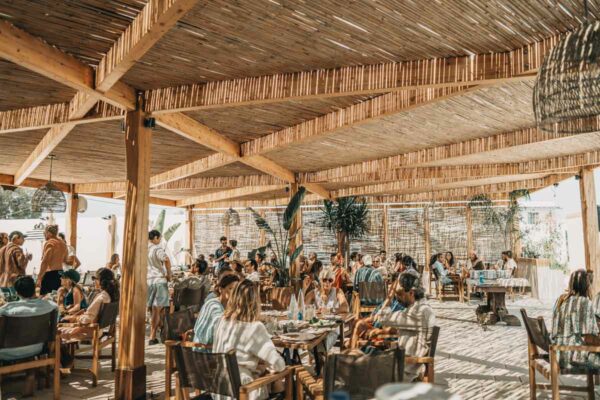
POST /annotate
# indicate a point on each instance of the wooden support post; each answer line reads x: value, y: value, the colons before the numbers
x: 427, y: 240
x: 71, y: 228
x: 131, y: 372
x: 589, y: 216
x: 469, y: 218
x: 426, y: 237
x: 262, y: 235
x: 191, y: 239
x: 515, y: 239
x: 112, y: 236
x: 295, y: 229
x: 386, y: 238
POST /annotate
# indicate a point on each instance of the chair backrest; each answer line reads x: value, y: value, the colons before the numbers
x: 536, y: 331
x: 435, y: 334
x: 178, y: 323
x: 191, y: 297
x: 87, y: 278
x: 280, y: 297
x: 436, y: 273
x: 216, y: 373
x: 27, y: 330
x: 361, y: 374
x: 108, y: 314
x: 372, y: 292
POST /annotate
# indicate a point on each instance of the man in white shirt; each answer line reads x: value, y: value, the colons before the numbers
x: 159, y: 273
x: 508, y: 262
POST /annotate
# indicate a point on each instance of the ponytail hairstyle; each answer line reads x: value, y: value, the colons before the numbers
x: 108, y: 283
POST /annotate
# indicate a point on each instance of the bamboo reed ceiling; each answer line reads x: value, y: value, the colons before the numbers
x: 351, y: 98
x: 220, y: 39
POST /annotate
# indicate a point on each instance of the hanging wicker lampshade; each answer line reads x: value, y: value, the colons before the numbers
x: 231, y: 218
x: 566, y: 96
x: 49, y: 198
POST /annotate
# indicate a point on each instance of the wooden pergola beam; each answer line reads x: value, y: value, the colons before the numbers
x: 491, y: 68
x: 9, y: 180
x: 229, y: 194
x: 152, y: 23
x: 194, y: 168
x: 353, y: 115
x: 502, y: 141
x: 32, y: 53
x: 54, y: 115
x: 428, y: 185
x: 553, y: 164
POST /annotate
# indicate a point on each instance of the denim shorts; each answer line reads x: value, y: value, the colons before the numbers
x: 158, y: 295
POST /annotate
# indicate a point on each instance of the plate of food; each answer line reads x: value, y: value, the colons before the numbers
x: 322, y: 323
x: 298, y: 336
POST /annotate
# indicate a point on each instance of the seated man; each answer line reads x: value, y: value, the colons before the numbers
x: 28, y: 306
x: 413, y: 325
x: 199, y: 278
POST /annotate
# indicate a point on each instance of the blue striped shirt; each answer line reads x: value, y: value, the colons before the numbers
x: 210, y: 314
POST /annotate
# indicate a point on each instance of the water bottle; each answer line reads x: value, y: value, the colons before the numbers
x: 480, y: 278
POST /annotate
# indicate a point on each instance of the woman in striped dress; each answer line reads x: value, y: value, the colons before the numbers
x: 574, y: 323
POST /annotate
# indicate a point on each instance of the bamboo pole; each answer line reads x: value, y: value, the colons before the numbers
x: 589, y: 216
x: 71, y: 228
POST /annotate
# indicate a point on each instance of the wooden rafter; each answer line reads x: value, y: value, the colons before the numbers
x: 426, y: 185
x: 27, y: 51
x: 9, y: 180
x: 353, y: 115
x: 53, y: 115
x: 553, y: 164
x: 520, y: 64
x: 194, y: 168
x: 451, y: 151
x: 280, y: 202
x: 229, y: 194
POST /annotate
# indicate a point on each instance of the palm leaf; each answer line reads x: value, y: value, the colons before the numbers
x: 171, y: 231
x: 293, y: 207
x: 159, y: 224
x: 261, y: 222
x: 295, y: 254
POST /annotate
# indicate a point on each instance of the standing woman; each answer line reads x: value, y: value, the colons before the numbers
x: 574, y: 323
x: 240, y: 330
x: 114, y: 264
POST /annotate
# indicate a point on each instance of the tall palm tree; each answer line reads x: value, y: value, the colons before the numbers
x: 347, y: 218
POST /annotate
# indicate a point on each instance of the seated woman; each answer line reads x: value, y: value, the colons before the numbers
x: 437, y: 266
x: 212, y: 310
x: 329, y: 297
x: 115, y: 265
x: 70, y: 294
x: 108, y: 292
x: 240, y: 330
x: 574, y: 323
x: 309, y: 288
x: 450, y: 262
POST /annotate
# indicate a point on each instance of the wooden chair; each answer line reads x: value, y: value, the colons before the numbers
x: 25, y: 331
x: 192, y: 298
x: 218, y: 373
x: 443, y: 291
x: 178, y: 326
x: 280, y: 297
x: 356, y: 373
x: 543, y: 358
x: 388, y: 341
x: 102, y: 334
x: 368, y: 297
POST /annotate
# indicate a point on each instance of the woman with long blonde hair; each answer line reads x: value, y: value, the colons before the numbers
x: 241, y: 330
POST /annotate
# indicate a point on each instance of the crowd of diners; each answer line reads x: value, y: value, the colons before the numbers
x: 230, y: 316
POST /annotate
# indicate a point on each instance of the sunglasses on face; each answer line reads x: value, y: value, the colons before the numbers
x: 328, y: 280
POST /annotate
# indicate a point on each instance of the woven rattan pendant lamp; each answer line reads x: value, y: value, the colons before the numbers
x: 49, y: 198
x: 231, y: 218
x: 566, y: 96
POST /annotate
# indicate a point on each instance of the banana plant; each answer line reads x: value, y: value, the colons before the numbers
x: 159, y: 225
x: 280, y: 238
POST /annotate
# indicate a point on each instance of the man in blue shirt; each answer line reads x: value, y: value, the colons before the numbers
x: 27, y: 306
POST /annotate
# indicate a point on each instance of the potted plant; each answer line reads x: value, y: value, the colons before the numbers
x: 280, y: 238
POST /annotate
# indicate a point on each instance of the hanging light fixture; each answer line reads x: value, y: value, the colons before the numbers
x: 231, y: 218
x: 49, y: 198
x: 566, y: 96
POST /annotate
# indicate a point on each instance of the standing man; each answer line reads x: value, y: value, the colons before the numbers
x: 159, y: 274
x: 13, y: 262
x: 222, y: 254
x: 54, y: 255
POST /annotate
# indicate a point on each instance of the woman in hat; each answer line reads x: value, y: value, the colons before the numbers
x: 73, y: 298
